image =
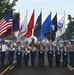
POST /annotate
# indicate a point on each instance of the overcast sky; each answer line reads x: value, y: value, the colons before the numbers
x: 47, y: 6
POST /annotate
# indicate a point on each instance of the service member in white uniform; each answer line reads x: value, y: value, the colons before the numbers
x: 19, y: 53
x: 3, y: 49
x: 11, y: 48
x: 57, y: 53
x: 26, y: 53
x: 65, y: 53
x: 50, y: 53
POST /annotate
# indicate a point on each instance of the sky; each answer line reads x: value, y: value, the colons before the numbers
x: 47, y: 6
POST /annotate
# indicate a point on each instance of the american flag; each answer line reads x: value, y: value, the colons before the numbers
x: 6, y: 23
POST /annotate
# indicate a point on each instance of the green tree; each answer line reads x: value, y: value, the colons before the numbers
x: 70, y: 27
x: 6, y: 6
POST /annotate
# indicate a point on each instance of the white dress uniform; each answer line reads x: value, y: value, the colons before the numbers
x: 58, y: 55
x: 3, y: 48
x: 26, y: 55
x: 11, y: 49
x: 19, y: 55
x: 50, y: 54
x: 65, y: 55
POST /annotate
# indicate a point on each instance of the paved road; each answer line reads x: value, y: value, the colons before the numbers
x: 46, y: 70
x: 39, y: 71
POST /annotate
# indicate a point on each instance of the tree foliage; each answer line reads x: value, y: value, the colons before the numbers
x: 6, y: 6
x: 70, y: 28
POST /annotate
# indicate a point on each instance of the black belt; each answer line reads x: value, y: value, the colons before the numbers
x: 11, y: 50
x: 58, y: 52
x: 41, y: 51
x: 3, y: 51
x: 50, y: 52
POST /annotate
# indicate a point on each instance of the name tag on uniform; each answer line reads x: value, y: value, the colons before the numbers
x: 28, y: 51
x: 25, y: 53
x: 58, y: 52
x: 65, y: 53
x: 50, y: 52
x: 41, y: 52
x: 18, y: 53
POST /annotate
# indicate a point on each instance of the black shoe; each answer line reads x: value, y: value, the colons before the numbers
x: 17, y: 64
x: 39, y: 65
x: 57, y: 65
x: 32, y: 65
x: 50, y: 65
x: 3, y: 65
x: 66, y: 65
x: 9, y: 64
x: 42, y: 66
x: 27, y: 65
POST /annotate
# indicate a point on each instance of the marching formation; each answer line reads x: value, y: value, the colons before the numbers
x: 61, y: 52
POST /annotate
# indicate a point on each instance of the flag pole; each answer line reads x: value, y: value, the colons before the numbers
x: 34, y: 24
x: 11, y: 31
x: 18, y: 38
x: 56, y: 29
x: 41, y: 23
x: 64, y: 26
x: 26, y: 21
x: 50, y: 30
x: 33, y: 28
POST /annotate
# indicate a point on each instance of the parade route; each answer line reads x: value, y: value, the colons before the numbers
x: 36, y: 70
x: 39, y: 71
